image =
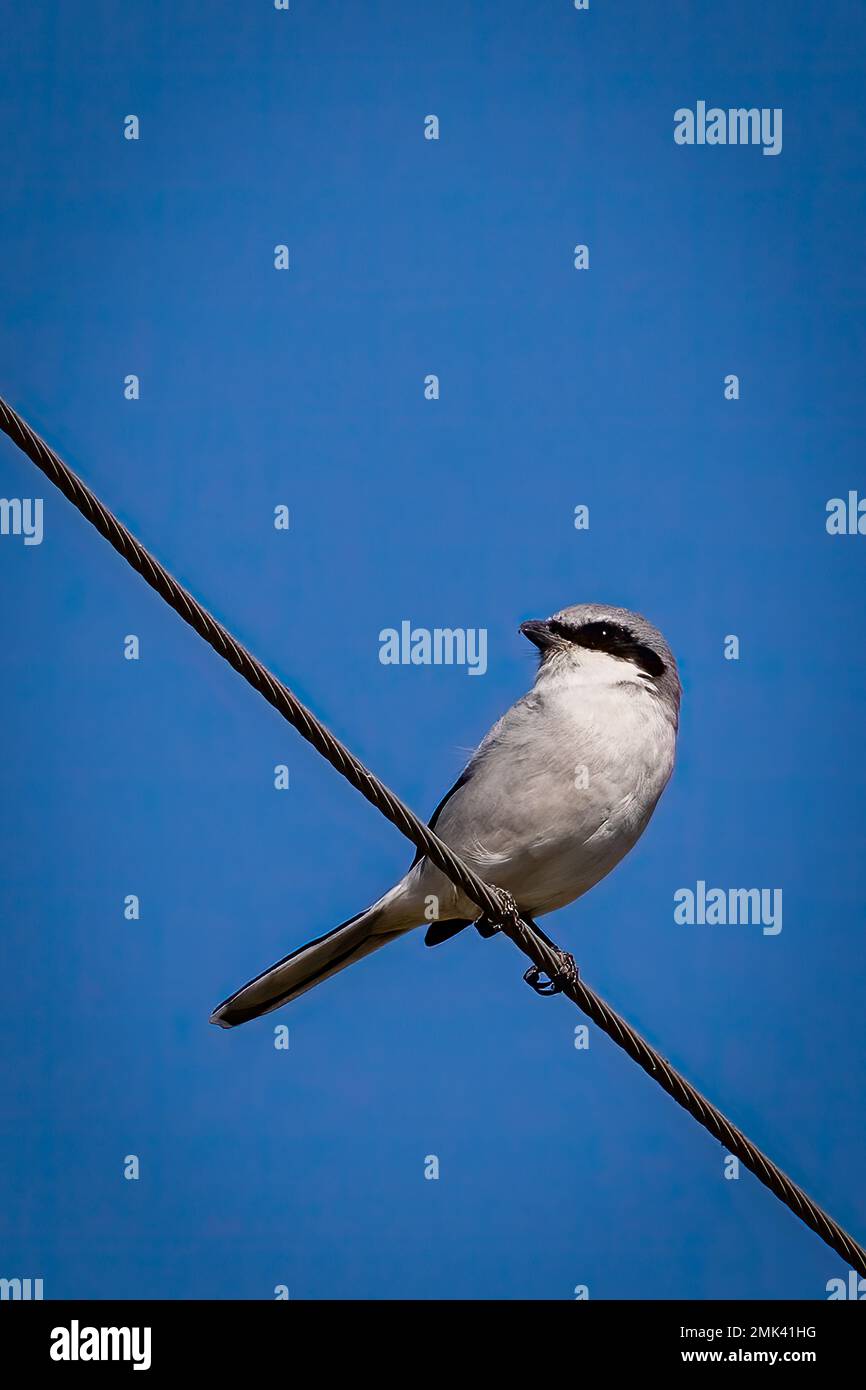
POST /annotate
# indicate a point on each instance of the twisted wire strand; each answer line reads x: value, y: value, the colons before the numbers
x: 498, y: 907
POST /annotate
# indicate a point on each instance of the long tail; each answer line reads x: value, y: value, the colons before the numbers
x: 307, y: 966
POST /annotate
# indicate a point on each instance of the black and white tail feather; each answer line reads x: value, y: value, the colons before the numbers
x: 306, y: 967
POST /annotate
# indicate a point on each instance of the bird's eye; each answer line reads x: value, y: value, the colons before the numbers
x: 608, y: 635
x: 619, y: 641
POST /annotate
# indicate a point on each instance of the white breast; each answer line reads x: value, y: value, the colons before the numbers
x: 561, y: 788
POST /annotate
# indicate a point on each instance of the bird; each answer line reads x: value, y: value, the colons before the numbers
x: 556, y: 794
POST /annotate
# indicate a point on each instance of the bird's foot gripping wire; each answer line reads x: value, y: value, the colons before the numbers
x: 566, y: 974
x: 488, y: 925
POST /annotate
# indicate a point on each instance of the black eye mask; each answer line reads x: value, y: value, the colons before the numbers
x: 610, y: 637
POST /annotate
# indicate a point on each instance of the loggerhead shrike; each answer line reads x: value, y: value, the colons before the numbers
x: 557, y: 793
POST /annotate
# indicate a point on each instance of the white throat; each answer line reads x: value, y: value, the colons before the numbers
x: 590, y: 668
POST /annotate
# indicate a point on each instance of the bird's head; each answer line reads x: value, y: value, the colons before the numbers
x: 603, y: 645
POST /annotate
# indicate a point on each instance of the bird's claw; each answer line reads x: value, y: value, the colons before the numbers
x: 488, y: 926
x: 565, y: 975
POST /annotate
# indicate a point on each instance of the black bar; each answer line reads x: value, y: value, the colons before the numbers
x: 246, y: 1341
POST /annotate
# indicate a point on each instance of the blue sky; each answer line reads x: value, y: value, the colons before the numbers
x: 305, y: 1167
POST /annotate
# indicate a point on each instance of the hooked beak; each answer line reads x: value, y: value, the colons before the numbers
x: 539, y: 634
